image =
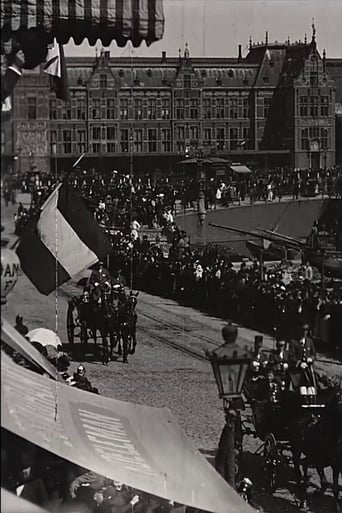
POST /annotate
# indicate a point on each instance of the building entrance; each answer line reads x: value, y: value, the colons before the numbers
x: 315, y: 161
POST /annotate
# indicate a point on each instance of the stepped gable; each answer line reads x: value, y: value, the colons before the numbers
x: 279, y: 63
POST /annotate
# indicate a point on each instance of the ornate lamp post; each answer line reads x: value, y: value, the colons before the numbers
x: 230, y: 364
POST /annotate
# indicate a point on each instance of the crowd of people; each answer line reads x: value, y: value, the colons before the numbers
x: 205, y: 276
x: 266, y: 299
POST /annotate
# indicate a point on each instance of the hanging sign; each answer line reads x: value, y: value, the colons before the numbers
x: 10, y: 269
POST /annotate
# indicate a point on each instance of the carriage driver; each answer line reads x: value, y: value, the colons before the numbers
x: 99, y: 276
x: 279, y: 362
x: 302, y: 354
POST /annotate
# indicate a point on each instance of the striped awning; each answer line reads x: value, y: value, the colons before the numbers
x: 107, y: 20
x: 241, y: 169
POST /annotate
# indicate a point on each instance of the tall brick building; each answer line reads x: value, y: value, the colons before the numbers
x: 279, y: 105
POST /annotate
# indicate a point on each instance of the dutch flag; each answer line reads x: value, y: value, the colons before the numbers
x: 64, y: 241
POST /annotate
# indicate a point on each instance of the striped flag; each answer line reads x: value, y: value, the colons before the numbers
x: 65, y: 240
x: 55, y: 66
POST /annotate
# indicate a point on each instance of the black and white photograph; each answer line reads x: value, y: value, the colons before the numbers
x: 171, y: 256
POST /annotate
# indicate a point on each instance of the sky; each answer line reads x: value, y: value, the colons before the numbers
x: 215, y: 28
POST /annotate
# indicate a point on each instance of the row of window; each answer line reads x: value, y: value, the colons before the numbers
x: 313, y: 106
x: 105, y: 140
x: 235, y: 107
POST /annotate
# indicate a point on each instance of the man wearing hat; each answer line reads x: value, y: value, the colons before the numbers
x: 302, y: 354
x: 279, y: 361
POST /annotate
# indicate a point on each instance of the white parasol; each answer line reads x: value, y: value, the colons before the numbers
x: 45, y: 337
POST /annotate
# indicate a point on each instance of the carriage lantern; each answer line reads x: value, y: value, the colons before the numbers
x: 230, y: 364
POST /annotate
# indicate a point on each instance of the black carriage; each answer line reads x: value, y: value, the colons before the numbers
x: 114, y: 316
x: 272, y: 416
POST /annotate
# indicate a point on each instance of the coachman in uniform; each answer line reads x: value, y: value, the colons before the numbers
x: 302, y: 354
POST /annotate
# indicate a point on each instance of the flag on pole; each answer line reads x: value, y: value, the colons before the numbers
x: 56, y: 67
x: 64, y: 241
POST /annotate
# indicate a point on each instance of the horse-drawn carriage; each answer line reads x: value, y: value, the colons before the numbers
x: 108, y: 309
x: 289, y: 428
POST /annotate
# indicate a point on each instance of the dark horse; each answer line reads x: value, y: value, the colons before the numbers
x: 317, y: 434
x: 128, y: 326
x: 101, y: 314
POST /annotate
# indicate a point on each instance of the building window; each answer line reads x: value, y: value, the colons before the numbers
x: 53, y: 142
x: 194, y: 135
x: 244, y: 108
x: 313, y: 106
x: 244, y: 142
x: 234, y: 138
x: 179, y: 108
x: 3, y: 141
x: 96, y: 109
x: 103, y: 81
x: 165, y: 113
x: 31, y: 107
x: 111, y: 133
x: 304, y: 139
x: 138, y: 110
x: 220, y: 108
x: 66, y: 141
x: 152, y: 140
x: 138, y: 140
x: 324, y: 106
x: 267, y: 106
x: 324, y: 138
x: 207, y: 136
x: 81, y: 141
x: 166, y: 139
x: 110, y: 111
x: 96, y: 148
x: 313, y: 67
x: 303, y: 106
x: 124, y: 140
x: 193, y: 108
x: 207, y: 108
x: 52, y: 109
x: 187, y: 81
x: 96, y: 133
x: 67, y: 112
x: 220, y: 138
x: 124, y: 108
x: 233, y: 108
x: 81, y: 108
x: 181, y: 132
x: 151, y: 108
x: 110, y: 147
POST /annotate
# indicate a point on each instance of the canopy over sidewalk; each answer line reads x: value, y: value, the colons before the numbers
x: 107, y: 20
x: 241, y: 169
x: 137, y: 445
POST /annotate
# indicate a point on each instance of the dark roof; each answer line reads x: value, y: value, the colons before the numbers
x: 334, y: 68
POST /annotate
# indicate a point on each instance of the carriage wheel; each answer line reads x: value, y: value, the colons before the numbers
x: 271, y: 460
x: 70, y: 324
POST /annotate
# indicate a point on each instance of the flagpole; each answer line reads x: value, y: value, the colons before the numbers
x: 56, y: 275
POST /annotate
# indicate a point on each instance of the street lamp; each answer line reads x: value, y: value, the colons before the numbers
x: 230, y: 364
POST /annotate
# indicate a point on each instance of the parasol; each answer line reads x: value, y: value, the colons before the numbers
x: 107, y: 20
x: 45, y: 337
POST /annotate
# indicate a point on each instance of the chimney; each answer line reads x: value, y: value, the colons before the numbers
x: 240, y: 54
x: 163, y: 57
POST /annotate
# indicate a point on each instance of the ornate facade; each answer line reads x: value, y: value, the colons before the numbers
x: 275, y: 107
